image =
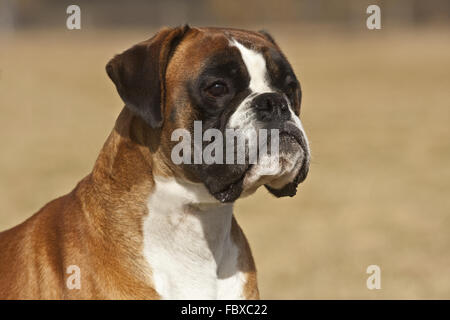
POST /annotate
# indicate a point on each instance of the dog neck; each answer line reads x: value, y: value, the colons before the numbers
x: 188, y: 242
x: 188, y: 210
x: 186, y: 235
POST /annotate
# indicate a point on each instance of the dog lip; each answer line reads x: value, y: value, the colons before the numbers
x: 288, y: 134
x: 290, y: 129
x: 226, y: 194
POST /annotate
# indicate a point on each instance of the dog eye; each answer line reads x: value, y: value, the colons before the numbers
x: 217, y: 89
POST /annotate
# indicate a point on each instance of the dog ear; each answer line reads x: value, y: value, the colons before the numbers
x: 139, y: 74
x: 268, y: 36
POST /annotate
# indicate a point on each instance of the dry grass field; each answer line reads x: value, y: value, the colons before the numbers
x: 376, y: 107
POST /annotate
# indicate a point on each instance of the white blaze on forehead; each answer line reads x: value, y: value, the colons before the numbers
x: 256, y: 68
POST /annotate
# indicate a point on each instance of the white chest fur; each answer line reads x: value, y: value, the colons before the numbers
x: 188, y: 244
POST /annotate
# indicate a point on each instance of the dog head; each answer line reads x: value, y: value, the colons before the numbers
x: 230, y: 92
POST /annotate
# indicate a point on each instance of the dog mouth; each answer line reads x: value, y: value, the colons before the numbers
x: 291, y: 142
x: 292, y: 132
x: 233, y: 190
x: 293, y: 135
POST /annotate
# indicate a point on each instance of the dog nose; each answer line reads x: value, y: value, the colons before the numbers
x: 271, y: 106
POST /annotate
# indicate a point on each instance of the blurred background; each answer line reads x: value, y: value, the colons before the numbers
x: 376, y: 108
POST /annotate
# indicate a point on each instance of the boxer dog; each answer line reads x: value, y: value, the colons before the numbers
x: 139, y: 226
